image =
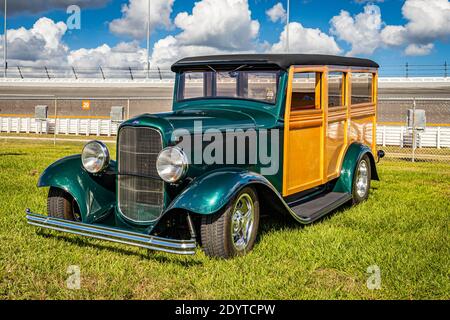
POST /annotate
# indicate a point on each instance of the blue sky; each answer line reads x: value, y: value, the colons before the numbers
x: 429, y: 45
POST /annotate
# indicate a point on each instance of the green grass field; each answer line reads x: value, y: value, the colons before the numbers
x: 403, y: 229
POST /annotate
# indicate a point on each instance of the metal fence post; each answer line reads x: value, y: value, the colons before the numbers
x: 103, y: 74
x: 56, y: 119
x: 402, y: 140
x: 74, y: 73
x: 160, y: 75
x: 131, y: 73
x: 20, y: 72
x: 414, y: 132
x: 46, y: 71
x: 128, y: 108
x: 438, y: 138
x: 407, y: 70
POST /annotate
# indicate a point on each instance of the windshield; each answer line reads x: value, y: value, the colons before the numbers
x: 251, y: 85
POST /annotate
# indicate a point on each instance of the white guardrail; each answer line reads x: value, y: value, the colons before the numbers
x: 401, y: 136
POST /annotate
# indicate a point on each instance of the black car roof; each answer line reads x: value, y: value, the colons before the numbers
x: 282, y: 61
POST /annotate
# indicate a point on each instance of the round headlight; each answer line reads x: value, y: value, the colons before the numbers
x: 172, y: 164
x: 95, y: 157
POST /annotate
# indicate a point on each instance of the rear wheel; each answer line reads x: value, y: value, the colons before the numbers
x: 232, y: 231
x: 61, y: 205
x: 361, y: 180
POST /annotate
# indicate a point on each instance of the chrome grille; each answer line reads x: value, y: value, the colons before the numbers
x: 141, y: 197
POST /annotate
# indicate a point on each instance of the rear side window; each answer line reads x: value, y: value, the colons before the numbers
x: 305, y: 91
x: 362, y: 88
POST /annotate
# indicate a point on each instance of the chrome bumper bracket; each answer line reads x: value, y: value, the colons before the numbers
x: 184, y: 247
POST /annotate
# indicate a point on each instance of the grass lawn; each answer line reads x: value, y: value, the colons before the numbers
x: 403, y: 229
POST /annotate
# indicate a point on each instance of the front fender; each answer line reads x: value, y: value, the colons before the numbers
x: 354, y: 153
x: 211, y: 192
x: 94, y: 194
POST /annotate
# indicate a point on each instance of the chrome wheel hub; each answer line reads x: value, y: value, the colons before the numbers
x: 362, y: 179
x: 242, y: 222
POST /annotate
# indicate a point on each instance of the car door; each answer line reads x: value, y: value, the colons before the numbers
x: 304, y: 130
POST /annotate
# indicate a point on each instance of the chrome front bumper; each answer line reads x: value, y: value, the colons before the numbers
x: 184, y: 247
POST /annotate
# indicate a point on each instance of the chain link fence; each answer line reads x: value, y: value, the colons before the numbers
x: 414, y: 129
x: 401, y: 138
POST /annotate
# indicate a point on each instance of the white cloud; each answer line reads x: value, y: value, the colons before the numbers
x: 125, y: 54
x: 213, y: 27
x: 428, y: 21
x: 41, y: 44
x: 394, y: 35
x: 223, y: 24
x: 37, y: 6
x: 277, y: 13
x: 306, y: 40
x: 419, y: 49
x: 362, y: 32
x: 168, y: 50
x: 133, y: 22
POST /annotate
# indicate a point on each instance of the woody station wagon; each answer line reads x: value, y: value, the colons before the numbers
x: 281, y: 134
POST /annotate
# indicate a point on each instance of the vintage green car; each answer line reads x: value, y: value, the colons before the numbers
x: 285, y: 134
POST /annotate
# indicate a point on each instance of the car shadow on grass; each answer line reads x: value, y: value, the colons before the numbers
x: 131, y: 251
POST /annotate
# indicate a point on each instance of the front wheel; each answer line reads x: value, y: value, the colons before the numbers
x: 361, y: 180
x: 61, y: 205
x: 232, y: 231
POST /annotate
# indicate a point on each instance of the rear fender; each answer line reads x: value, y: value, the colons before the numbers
x: 354, y: 154
x: 94, y: 194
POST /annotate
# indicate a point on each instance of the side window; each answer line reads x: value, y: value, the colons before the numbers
x: 361, y: 88
x: 193, y: 85
x: 262, y: 86
x: 304, y: 93
x: 335, y: 89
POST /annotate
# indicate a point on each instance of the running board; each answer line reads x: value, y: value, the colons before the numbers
x: 312, y: 210
x: 184, y: 247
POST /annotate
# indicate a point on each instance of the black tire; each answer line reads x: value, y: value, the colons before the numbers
x: 61, y: 205
x: 216, y: 234
x: 357, y: 194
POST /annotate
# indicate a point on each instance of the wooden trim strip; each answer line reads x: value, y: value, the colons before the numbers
x: 362, y: 105
x: 306, y: 124
x: 337, y: 118
x: 287, y: 116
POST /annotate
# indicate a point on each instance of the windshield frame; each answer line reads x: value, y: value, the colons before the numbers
x: 179, y: 89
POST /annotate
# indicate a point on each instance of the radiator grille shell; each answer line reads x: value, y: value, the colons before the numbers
x: 140, y: 197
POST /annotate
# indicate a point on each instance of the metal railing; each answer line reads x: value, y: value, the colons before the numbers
x: 406, y: 70
x: 76, y: 73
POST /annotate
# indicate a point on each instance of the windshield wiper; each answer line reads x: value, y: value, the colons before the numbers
x: 214, y: 70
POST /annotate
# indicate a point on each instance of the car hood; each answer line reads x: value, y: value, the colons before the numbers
x: 208, y: 118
